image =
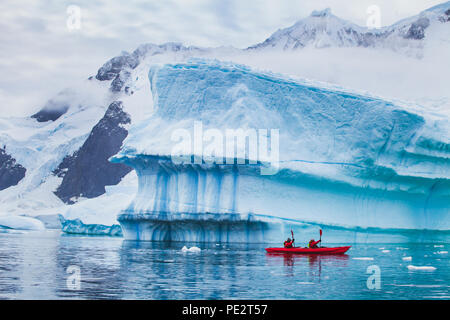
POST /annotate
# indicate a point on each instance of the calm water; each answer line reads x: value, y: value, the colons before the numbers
x: 34, y: 265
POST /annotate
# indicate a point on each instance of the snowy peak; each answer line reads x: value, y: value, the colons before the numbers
x: 415, y: 27
x: 321, y: 13
x: 120, y: 68
x: 323, y: 29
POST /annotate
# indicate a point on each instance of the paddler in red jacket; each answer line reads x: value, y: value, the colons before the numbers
x: 313, y: 244
x: 289, y: 243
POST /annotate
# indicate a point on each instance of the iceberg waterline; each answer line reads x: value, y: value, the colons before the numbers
x: 345, y: 159
x: 78, y: 227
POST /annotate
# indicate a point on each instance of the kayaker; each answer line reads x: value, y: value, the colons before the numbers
x: 289, y: 243
x: 313, y: 244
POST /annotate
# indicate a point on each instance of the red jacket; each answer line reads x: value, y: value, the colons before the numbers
x: 313, y: 244
x: 288, y: 244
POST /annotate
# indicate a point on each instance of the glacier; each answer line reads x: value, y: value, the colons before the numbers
x: 346, y: 159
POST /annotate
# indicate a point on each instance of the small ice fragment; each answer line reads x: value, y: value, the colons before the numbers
x: 191, y: 249
x: 362, y: 258
x: 442, y: 252
x: 381, y: 248
x: 422, y: 268
x: 407, y: 258
x: 400, y: 248
x: 419, y: 285
x: 438, y: 245
x: 386, y: 251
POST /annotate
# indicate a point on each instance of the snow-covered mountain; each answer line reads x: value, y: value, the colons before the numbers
x: 52, y: 161
x: 323, y: 29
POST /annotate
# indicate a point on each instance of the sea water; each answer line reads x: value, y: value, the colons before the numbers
x: 52, y: 265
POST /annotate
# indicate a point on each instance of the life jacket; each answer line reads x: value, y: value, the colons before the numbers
x: 288, y: 244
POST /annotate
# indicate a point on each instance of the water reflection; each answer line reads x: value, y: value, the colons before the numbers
x: 314, y: 261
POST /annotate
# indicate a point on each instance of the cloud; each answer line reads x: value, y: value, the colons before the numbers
x: 39, y: 55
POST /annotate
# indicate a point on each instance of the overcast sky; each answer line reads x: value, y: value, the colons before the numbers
x: 40, y: 55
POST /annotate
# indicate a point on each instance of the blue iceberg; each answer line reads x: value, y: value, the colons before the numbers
x: 344, y: 159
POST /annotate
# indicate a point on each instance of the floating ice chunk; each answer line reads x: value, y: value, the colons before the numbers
x: 439, y: 246
x: 191, y: 249
x: 362, y: 258
x: 419, y: 285
x: 386, y: 251
x: 400, y: 248
x: 21, y: 223
x: 421, y: 268
x: 442, y: 252
x: 407, y: 258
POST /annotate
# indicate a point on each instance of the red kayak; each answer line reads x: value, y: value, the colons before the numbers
x: 335, y: 250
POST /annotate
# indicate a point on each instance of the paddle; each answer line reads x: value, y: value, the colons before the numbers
x: 293, y: 240
x: 320, y: 238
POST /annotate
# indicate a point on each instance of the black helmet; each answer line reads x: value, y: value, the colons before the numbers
x: 289, y: 240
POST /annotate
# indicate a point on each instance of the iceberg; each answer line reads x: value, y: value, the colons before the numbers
x: 20, y: 223
x: 344, y: 159
x: 191, y: 249
x: 78, y: 227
